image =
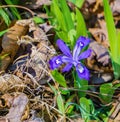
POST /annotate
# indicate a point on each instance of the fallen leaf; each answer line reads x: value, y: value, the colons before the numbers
x: 35, y: 4
x: 9, y: 42
x: 9, y: 81
x: 99, y: 58
x: 100, y: 34
x: 115, y: 7
x: 8, y: 99
x: 35, y: 63
x: 18, y: 108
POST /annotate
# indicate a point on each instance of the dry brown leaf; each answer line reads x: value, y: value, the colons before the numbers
x: 100, y: 34
x: 36, y: 120
x: 99, y: 55
x: 18, y: 108
x: 35, y: 4
x: 98, y: 3
x: 9, y: 42
x: 115, y: 7
x: 115, y: 115
x: 8, y: 99
x: 117, y: 119
x: 4, y: 120
x: 35, y: 65
x: 34, y: 117
x: 9, y: 81
x: 91, y: 1
x: 99, y: 63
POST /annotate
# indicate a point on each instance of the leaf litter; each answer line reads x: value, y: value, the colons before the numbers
x: 25, y: 93
x: 26, y: 74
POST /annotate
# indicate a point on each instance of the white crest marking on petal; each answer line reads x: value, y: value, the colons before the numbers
x: 57, y: 61
x: 81, y: 44
x: 81, y: 69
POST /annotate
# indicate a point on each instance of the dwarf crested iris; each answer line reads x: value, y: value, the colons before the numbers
x: 72, y: 59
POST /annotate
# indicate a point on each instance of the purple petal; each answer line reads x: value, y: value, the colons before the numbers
x: 67, y: 67
x: 82, y: 71
x: 55, y: 62
x: 84, y: 41
x: 66, y: 59
x: 80, y: 44
x: 76, y: 51
x: 62, y: 46
x: 85, y: 54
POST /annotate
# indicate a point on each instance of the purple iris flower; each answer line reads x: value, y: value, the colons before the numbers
x: 72, y: 59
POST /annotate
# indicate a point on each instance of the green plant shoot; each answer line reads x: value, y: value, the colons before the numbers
x: 114, y: 39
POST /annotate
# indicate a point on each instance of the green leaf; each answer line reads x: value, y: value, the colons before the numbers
x: 114, y: 39
x: 59, y: 78
x: 59, y: 99
x: 81, y: 26
x: 63, y: 35
x: 78, y: 3
x: 60, y: 103
x: 118, y: 35
x: 87, y: 108
x: 5, y: 16
x: 69, y: 108
x: 53, y: 89
x: 82, y: 85
x: 116, y: 68
x: 112, y: 35
x: 59, y: 15
x: 72, y: 36
x: 3, y: 32
x: 106, y: 92
x: 116, y: 85
x: 38, y: 20
x: 67, y: 15
x: 64, y: 91
x: 13, y: 9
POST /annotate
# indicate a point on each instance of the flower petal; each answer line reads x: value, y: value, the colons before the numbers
x: 82, y: 71
x: 66, y: 59
x: 85, y: 54
x: 84, y: 41
x: 55, y: 62
x: 76, y: 51
x: 62, y: 46
x: 80, y: 44
x: 67, y: 67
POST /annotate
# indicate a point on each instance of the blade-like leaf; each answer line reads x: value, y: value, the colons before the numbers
x: 114, y: 39
x: 38, y: 20
x: 13, y: 9
x: 81, y: 85
x: 118, y: 35
x: 67, y: 15
x: 59, y: 78
x: 87, y: 108
x: 78, y: 3
x: 112, y: 35
x: 59, y: 99
x: 60, y: 103
x: 63, y: 35
x: 5, y: 16
x: 81, y: 26
x: 59, y: 15
x: 3, y: 32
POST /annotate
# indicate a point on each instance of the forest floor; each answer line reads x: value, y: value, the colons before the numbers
x: 27, y: 86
